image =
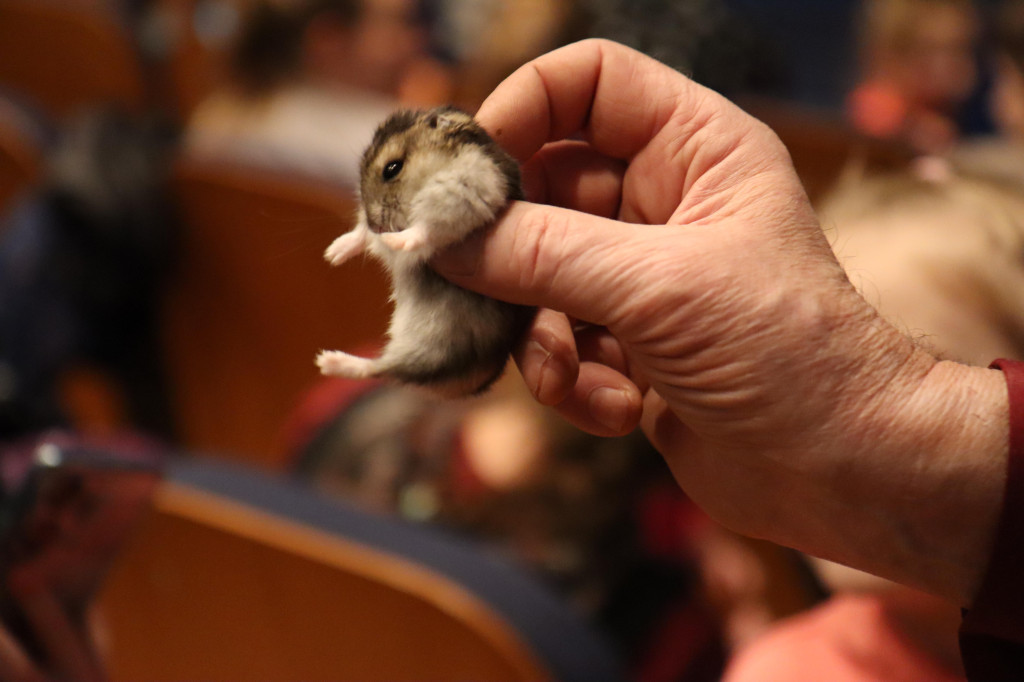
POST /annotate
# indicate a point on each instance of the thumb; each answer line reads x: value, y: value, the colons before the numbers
x: 573, y: 262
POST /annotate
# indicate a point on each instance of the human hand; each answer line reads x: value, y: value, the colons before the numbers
x: 677, y: 231
x: 67, y: 523
x: 64, y: 641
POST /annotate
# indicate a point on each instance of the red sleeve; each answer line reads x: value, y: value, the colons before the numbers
x: 992, y: 633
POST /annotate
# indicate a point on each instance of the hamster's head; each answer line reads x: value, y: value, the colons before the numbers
x: 408, y: 150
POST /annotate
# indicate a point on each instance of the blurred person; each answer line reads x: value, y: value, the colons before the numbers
x: 1008, y: 90
x: 1002, y: 154
x: 491, y: 38
x: 705, y: 39
x: 83, y: 262
x: 702, y: 38
x: 936, y: 252
x: 856, y: 638
x: 311, y: 80
x: 919, y: 70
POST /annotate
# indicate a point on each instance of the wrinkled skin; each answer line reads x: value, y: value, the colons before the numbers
x: 673, y: 225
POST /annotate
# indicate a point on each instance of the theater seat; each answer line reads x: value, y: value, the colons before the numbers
x: 63, y: 56
x: 253, y: 302
x: 238, y: 576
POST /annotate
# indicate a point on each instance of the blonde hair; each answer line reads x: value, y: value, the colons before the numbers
x: 888, y: 26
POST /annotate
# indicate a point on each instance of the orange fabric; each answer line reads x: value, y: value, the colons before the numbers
x: 850, y: 638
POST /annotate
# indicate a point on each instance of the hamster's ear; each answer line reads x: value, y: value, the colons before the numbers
x: 447, y: 117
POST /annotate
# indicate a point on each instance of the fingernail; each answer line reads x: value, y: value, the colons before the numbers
x: 609, y: 406
x: 462, y: 259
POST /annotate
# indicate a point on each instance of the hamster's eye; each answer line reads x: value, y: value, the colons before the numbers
x: 392, y: 169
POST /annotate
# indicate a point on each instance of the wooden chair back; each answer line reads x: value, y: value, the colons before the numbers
x: 253, y: 301
x: 215, y: 586
x: 64, y: 55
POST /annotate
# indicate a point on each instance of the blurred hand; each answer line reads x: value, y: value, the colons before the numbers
x: 64, y: 639
x: 686, y: 284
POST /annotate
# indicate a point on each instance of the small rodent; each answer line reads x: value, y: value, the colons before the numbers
x: 428, y: 180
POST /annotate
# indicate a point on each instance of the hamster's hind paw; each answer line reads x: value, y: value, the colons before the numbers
x: 338, y: 364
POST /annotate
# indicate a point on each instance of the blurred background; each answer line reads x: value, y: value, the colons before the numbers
x: 170, y: 174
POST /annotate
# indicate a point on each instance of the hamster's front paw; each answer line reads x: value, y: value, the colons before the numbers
x: 410, y: 240
x: 344, y: 247
x: 338, y: 364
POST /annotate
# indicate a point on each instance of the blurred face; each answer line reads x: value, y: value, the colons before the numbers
x: 374, y: 53
x: 937, y: 67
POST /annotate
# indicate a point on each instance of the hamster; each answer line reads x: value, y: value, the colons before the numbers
x: 427, y: 181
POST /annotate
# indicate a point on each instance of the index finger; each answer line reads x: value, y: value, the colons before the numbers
x: 616, y: 97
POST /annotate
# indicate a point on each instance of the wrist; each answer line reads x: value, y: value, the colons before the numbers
x: 936, y: 476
